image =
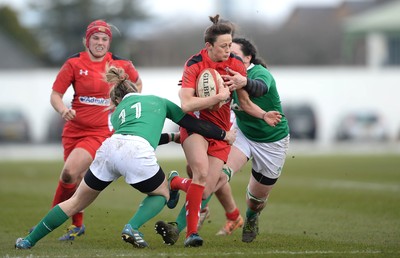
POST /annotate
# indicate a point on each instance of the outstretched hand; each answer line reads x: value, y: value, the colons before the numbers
x: 272, y: 118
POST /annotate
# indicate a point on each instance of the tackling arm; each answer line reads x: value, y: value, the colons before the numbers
x: 207, y: 129
x: 271, y: 117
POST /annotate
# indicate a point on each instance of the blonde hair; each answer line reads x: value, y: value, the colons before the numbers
x: 121, y: 83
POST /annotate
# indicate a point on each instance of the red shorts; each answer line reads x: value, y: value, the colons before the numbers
x: 90, y: 143
x: 216, y: 148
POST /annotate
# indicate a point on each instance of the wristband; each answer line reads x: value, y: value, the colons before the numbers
x: 172, y: 137
x: 263, y: 115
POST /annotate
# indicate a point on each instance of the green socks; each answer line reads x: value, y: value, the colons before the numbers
x: 250, y: 213
x: 149, y: 208
x: 54, y: 218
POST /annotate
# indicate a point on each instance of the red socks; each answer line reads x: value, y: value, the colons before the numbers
x: 77, y: 219
x: 181, y: 183
x: 233, y: 215
x: 64, y: 192
x: 193, y: 204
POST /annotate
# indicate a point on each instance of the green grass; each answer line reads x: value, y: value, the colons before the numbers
x: 322, y: 206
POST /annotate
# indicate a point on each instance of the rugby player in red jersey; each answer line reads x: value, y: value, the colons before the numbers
x: 88, y: 121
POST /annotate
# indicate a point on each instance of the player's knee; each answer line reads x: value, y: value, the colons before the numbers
x: 227, y: 172
x: 66, y: 176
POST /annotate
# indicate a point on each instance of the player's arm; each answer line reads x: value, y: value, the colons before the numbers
x: 239, y: 82
x: 187, y: 94
x: 190, y: 103
x: 169, y: 137
x: 254, y: 87
x: 64, y: 79
x: 56, y: 100
x: 206, y: 129
x: 271, y: 117
x: 202, y: 127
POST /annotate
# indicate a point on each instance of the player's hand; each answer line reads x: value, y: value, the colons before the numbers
x: 230, y: 136
x: 177, y: 137
x: 223, y: 92
x: 235, y: 80
x: 272, y: 118
x: 68, y: 114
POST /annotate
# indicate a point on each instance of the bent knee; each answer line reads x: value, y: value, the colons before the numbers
x: 68, y: 177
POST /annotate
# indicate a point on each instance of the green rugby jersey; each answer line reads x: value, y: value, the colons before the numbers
x: 144, y: 116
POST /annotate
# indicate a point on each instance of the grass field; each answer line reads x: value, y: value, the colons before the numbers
x: 322, y: 206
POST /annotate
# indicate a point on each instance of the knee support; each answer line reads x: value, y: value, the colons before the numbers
x: 257, y: 204
x: 228, y: 172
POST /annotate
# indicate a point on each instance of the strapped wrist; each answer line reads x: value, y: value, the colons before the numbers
x: 263, y: 115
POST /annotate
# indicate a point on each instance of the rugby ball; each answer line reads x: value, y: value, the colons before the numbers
x: 207, y: 85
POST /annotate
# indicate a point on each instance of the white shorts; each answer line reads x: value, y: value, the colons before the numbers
x: 124, y: 155
x: 267, y: 158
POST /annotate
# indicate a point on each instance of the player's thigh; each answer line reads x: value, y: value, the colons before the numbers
x: 78, y: 162
x: 81, y: 199
x: 162, y: 190
x: 195, y: 148
x: 214, y: 173
x: 258, y: 189
x: 236, y: 159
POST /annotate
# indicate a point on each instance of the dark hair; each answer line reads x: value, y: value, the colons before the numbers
x: 217, y: 28
x: 249, y: 49
x: 122, y: 84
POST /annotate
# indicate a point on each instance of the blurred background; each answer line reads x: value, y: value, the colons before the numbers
x: 336, y: 63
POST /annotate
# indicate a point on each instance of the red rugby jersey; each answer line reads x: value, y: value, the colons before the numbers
x: 193, y: 68
x: 91, y: 92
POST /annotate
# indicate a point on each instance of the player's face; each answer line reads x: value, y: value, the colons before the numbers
x: 221, y: 49
x: 236, y: 50
x: 99, y: 43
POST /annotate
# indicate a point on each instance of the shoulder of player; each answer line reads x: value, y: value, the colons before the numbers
x: 193, y: 60
x: 262, y: 70
x: 261, y: 73
x: 71, y: 61
x: 235, y: 58
x: 118, y: 58
x: 122, y: 62
x: 75, y: 56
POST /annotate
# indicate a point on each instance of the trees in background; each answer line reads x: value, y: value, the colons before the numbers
x: 313, y: 37
x: 10, y: 25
